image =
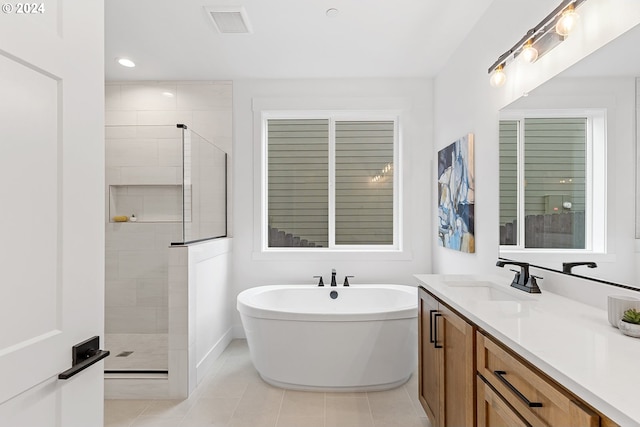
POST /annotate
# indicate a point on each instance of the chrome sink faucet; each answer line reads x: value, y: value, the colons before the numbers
x: 522, y: 280
x: 333, y: 277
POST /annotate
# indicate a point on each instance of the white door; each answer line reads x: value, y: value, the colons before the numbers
x: 51, y: 209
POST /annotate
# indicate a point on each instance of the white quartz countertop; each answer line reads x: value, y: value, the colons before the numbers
x: 569, y: 341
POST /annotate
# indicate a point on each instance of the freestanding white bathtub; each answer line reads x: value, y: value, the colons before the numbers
x: 300, y: 337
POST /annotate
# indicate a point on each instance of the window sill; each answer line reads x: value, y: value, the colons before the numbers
x: 294, y: 254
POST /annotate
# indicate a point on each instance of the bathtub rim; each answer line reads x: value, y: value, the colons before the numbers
x: 245, y: 308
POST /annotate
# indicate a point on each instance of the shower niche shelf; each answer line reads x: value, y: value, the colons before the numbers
x: 149, y: 203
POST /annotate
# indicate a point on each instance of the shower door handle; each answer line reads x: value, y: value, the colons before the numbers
x: 83, y: 355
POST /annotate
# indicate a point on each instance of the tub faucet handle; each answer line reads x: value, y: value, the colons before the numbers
x: 346, y: 280
x: 320, y: 282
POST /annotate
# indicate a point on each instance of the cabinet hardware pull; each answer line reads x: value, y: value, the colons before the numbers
x: 527, y: 402
x: 435, y: 327
x: 431, y: 325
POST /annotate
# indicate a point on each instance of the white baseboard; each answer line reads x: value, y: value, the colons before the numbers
x: 238, y: 332
x: 204, y: 365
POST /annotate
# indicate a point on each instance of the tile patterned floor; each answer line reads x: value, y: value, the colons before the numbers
x: 148, y: 351
x: 233, y: 395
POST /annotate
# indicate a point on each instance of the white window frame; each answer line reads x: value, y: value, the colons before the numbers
x: 333, y: 117
x: 595, y: 188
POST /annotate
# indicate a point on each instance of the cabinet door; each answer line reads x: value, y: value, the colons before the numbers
x: 459, y: 368
x: 493, y: 411
x: 429, y: 359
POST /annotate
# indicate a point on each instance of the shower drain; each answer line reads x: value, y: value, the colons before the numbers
x: 124, y: 354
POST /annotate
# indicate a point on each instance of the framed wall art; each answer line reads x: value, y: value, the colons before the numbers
x: 456, y: 195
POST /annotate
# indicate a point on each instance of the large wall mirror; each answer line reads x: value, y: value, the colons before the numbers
x: 568, y: 162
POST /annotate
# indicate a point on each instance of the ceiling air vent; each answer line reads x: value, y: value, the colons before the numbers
x: 229, y: 19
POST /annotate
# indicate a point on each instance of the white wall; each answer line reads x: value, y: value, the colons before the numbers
x: 465, y: 102
x: 250, y: 267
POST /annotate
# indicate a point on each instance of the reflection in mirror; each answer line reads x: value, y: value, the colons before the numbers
x: 567, y: 168
x: 543, y: 192
x: 568, y: 266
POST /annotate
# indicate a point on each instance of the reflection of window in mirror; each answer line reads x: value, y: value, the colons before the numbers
x: 548, y: 162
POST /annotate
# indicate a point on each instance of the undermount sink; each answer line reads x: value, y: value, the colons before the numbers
x: 484, y: 291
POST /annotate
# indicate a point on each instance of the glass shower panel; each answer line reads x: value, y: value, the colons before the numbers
x: 204, y: 204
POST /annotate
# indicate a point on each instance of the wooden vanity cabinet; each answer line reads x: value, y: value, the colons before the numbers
x: 511, y: 392
x: 446, y: 364
x: 468, y: 378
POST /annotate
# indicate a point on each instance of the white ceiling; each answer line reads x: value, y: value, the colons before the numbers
x: 176, y: 40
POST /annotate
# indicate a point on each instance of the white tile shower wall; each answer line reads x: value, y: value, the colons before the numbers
x: 137, y: 254
x: 179, y: 325
x: 206, y: 106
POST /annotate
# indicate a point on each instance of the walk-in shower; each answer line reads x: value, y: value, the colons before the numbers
x: 165, y: 185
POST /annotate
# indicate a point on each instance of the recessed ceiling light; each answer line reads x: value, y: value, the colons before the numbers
x: 332, y: 13
x: 168, y: 94
x: 126, y: 62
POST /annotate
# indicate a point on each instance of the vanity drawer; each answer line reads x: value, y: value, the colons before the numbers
x: 537, y: 399
x: 493, y: 411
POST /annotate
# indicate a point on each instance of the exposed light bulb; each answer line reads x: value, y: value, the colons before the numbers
x: 529, y: 53
x: 126, y: 62
x: 567, y: 21
x: 498, y: 77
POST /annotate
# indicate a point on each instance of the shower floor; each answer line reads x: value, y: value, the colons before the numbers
x: 137, y: 352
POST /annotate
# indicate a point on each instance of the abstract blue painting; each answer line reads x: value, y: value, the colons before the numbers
x: 456, y: 195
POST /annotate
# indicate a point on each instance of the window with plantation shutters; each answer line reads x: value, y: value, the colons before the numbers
x: 330, y: 182
x: 547, y: 169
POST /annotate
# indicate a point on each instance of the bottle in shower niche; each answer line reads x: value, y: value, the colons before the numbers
x: 133, y: 218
